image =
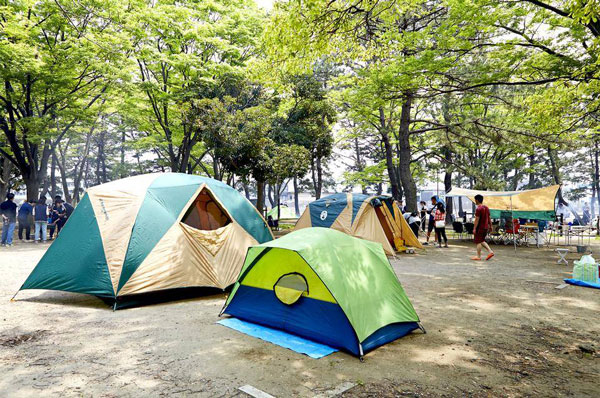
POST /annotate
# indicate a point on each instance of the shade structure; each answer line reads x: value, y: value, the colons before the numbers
x: 151, y: 233
x: 324, y: 285
x: 284, y: 213
x: 534, y: 204
x: 375, y: 218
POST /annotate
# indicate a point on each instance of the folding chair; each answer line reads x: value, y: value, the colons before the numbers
x: 469, y: 226
x: 458, y: 229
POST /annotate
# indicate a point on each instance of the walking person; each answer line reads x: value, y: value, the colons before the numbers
x: 8, y: 209
x: 481, y: 228
x: 24, y: 218
x: 40, y: 217
x: 440, y: 224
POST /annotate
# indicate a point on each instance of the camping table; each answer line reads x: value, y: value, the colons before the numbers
x: 531, y: 230
x: 578, y: 232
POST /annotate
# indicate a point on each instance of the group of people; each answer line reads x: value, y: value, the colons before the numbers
x: 33, y: 215
x: 436, y: 220
x: 433, y: 218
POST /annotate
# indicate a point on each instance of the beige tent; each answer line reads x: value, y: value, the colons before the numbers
x: 152, y: 233
x: 375, y: 218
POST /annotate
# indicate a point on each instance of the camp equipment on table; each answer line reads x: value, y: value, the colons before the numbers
x: 375, y: 218
x: 326, y: 286
x: 151, y: 233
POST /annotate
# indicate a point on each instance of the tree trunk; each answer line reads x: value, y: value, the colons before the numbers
x: 359, y: 163
x: 216, y: 171
x: 62, y: 167
x: 53, y: 175
x: 317, y: 176
x: 123, y: 174
x: 397, y: 190
x: 408, y: 182
x: 296, y: 204
x: 270, y: 195
x: 278, y: 193
x: 260, y: 196
x: 246, y: 190
x: 597, y: 175
x: 5, y: 178
x: 99, y: 158
x: 555, y: 172
x: 448, y: 182
x: 531, y: 182
x: 33, y: 188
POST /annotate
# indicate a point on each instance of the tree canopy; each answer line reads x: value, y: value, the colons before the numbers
x: 486, y: 93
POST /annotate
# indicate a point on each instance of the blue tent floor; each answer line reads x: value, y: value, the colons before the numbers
x: 279, y: 337
x: 577, y: 282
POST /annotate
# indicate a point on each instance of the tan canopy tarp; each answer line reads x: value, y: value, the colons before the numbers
x: 541, y: 199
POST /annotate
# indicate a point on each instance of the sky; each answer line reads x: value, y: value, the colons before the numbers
x: 266, y: 4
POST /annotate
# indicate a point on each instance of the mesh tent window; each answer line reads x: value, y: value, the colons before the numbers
x: 205, y: 213
x: 290, y: 287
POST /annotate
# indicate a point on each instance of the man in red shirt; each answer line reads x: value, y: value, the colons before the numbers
x: 481, y: 228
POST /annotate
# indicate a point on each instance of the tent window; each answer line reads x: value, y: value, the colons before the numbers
x: 290, y: 287
x: 205, y: 213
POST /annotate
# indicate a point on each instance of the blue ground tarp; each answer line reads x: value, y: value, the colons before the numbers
x: 577, y: 282
x: 281, y: 338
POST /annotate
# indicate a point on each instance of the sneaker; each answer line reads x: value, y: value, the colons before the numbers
x: 425, y: 243
x: 9, y: 245
x: 446, y: 245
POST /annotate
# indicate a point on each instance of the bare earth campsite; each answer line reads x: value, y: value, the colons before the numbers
x: 299, y: 198
x: 494, y: 329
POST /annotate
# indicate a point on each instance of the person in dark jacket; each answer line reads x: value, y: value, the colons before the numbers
x: 40, y: 217
x: 24, y: 218
x: 8, y: 209
x: 57, y: 216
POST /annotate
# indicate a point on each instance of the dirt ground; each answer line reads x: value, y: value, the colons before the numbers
x: 494, y: 329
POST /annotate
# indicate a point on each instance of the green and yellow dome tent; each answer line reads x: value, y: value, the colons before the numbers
x: 326, y: 286
x: 151, y: 233
x: 373, y: 217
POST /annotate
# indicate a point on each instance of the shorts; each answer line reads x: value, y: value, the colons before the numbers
x: 479, y: 236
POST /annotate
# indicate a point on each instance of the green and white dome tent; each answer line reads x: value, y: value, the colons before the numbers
x: 151, y: 233
x: 326, y: 286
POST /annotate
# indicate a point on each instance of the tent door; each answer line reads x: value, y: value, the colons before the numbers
x: 205, y: 213
x: 389, y: 234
